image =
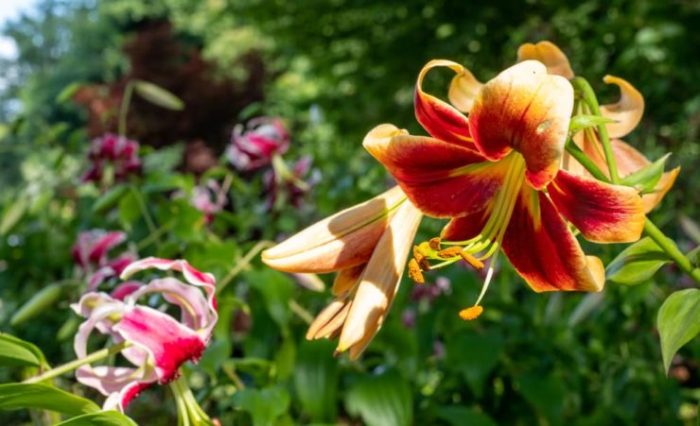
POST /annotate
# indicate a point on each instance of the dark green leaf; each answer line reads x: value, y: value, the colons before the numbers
x: 459, y: 416
x: 545, y: 394
x: 16, y: 352
x: 678, y: 322
x: 67, y: 93
x: 263, y: 405
x: 16, y: 396
x: 637, y: 263
x: 276, y: 288
x: 102, y: 418
x: 158, y: 95
x: 381, y: 400
x: 316, y: 380
x: 474, y: 355
x: 646, y: 178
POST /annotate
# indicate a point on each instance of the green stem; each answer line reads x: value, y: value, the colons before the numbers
x: 672, y: 250
x: 124, y: 107
x: 70, y: 366
x: 300, y: 311
x: 144, y: 209
x: 244, y: 262
x: 585, y: 161
x: 592, y: 101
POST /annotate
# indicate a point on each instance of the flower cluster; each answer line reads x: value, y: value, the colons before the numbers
x: 91, y: 253
x: 154, y: 342
x: 209, y: 198
x: 120, y: 153
x: 253, y: 146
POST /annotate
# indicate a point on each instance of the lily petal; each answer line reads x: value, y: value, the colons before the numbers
x: 380, y: 281
x: 119, y: 384
x: 627, y: 112
x: 440, y: 119
x: 346, y: 279
x: 550, y: 55
x: 465, y: 227
x: 463, y: 90
x: 440, y: 178
x: 528, y: 110
x: 604, y: 213
x: 168, y: 343
x: 340, y: 241
x: 541, y: 248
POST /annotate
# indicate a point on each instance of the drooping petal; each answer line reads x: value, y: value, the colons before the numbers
x: 550, y: 55
x: 168, y: 343
x: 124, y: 289
x: 604, y: 213
x: 541, y: 248
x: 330, y: 320
x: 440, y: 178
x: 103, y: 244
x: 380, y: 281
x: 119, y: 384
x: 438, y: 118
x: 528, y: 110
x: 340, y: 241
x: 195, y: 309
x: 346, y: 279
x: 627, y: 112
x: 463, y: 89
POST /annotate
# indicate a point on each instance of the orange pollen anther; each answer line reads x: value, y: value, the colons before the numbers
x: 473, y: 261
x: 414, y: 272
x: 450, y: 252
x: 471, y: 313
x: 418, y: 254
x: 434, y: 243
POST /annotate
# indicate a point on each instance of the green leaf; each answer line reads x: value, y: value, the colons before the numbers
x: 16, y: 396
x: 646, y: 178
x: 582, y: 121
x: 637, y: 263
x: 67, y: 93
x: 156, y: 163
x: 316, y: 380
x: 38, y: 304
x: 109, y: 199
x: 264, y: 405
x: 16, y: 352
x: 381, y: 400
x: 13, y: 214
x: 458, y: 416
x: 276, y: 289
x: 102, y: 418
x: 544, y: 393
x: 129, y: 209
x: 678, y: 322
x: 158, y: 95
x: 475, y: 356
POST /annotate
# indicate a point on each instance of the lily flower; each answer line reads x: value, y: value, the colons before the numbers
x: 289, y: 186
x: 254, y: 145
x: 120, y: 152
x: 209, y: 199
x: 155, y: 343
x: 366, y: 245
x: 497, y: 176
x: 91, y: 253
x: 626, y: 114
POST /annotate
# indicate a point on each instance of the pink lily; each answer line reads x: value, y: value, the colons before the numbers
x: 120, y: 152
x: 155, y: 343
x: 254, y: 145
x: 91, y: 253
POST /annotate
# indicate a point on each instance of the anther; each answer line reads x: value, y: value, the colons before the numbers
x: 471, y: 313
x: 414, y: 272
x: 450, y: 252
x: 473, y: 261
x: 434, y: 243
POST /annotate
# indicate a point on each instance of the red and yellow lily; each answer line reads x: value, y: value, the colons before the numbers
x: 497, y: 175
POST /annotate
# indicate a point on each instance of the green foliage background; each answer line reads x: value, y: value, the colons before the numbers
x: 334, y: 69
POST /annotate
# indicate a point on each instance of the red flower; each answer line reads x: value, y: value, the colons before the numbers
x: 254, y: 145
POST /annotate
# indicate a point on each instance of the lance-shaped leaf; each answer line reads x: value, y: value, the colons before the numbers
x: 340, y: 241
x: 158, y: 95
x: 678, y: 322
x: 646, y: 178
x: 637, y: 263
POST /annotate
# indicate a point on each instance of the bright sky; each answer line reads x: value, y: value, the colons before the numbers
x: 11, y: 9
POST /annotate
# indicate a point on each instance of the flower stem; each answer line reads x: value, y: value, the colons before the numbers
x: 591, y: 100
x: 144, y: 209
x: 70, y: 366
x: 124, y: 107
x: 650, y: 229
x: 245, y: 261
x: 671, y: 249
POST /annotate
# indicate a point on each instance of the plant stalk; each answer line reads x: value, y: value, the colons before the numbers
x: 70, y: 366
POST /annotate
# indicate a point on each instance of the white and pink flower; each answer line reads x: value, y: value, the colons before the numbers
x: 157, y: 344
x: 120, y: 152
x: 254, y: 145
x: 91, y: 253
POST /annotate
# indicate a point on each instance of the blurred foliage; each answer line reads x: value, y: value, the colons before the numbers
x: 332, y: 70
